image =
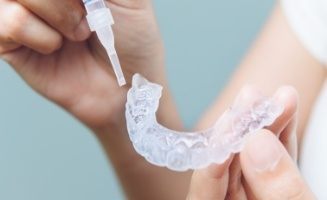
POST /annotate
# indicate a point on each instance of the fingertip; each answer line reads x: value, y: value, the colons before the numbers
x: 217, y: 171
x: 289, y: 97
x: 211, y: 182
x: 82, y: 31
x: 57, y: 43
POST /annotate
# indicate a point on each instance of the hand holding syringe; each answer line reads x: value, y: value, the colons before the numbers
x: 100, y: 20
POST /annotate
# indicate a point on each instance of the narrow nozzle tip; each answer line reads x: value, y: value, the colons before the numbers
x: 117, y: 69
x: 121, y: 82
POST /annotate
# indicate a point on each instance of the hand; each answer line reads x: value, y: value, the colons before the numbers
x: 285, y: 128
x: 227, y: 181
x: 270, y: 172
x: 48, y: 43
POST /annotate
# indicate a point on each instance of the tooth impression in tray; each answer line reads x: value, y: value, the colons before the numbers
x: 181, y: 151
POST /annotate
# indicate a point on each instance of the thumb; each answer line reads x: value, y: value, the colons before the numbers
x: 270, y: 171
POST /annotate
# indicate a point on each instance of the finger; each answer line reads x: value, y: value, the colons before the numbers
x: 235, y: 187
x: 20, y: 26
x: 288, y: 97
x: 285, y: 126
x: 5, y: 43
x: 288, y: 138
x: 269, y: 170
x: 8, y: 46
x: 65, y: 16
x: 248, y: 191
x: 210, y: 183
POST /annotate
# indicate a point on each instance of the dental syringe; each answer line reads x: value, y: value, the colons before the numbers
x: 100, y: 20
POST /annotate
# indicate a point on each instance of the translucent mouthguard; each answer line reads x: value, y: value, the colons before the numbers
x: 181, y: 151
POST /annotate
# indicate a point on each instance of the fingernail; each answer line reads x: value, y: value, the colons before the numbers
x: 264, y: 151
x: 82, y: 31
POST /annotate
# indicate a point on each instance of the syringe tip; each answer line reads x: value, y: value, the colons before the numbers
x: 121, y: 82
x: 100, y: 20
x: 117, y: 69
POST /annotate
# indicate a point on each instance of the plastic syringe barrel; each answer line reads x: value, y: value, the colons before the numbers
x: 100, y: 20
x: 98, y: 15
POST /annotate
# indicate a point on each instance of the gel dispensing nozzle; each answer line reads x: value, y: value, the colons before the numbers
x: 100, y: 20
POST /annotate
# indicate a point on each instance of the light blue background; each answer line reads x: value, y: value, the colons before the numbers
x: 47, y: 155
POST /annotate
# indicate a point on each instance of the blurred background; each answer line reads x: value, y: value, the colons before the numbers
x: 45, y: 154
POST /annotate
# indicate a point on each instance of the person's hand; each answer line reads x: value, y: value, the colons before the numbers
x: 269, y: 170
x: 285, y: 128
x: 269, y: 173
x: 48, y: 43
x: 227, y: 181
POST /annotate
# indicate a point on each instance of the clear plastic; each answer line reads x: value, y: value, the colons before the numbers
x: 181, y: 151
x: 100, y: 19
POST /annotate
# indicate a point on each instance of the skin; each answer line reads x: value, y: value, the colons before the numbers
x: 226, y: 181
x: 280, y: 181
x: 283, y: 57
x: 70, y: 68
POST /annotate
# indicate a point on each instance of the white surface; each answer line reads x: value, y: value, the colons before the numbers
x: 308, y: 18
x: 314, y: 151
